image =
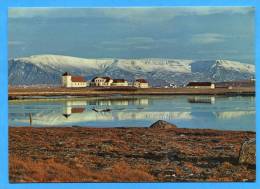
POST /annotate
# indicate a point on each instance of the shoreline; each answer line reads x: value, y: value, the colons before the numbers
x: 14, y: 93
x: 84, y: 154
x: 126, y: 127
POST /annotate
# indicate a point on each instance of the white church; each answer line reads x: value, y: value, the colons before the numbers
x: 73, y: 81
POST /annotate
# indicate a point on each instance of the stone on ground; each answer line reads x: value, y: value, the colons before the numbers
x: 163, y: 125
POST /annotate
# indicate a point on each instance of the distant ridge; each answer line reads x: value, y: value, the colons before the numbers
x: 46, y: 69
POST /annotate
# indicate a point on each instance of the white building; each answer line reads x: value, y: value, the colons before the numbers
x: 120, y: 83
x: 73, y: 81
x: 101, y: 81
x: 141, y: 83
x: 201, y: 85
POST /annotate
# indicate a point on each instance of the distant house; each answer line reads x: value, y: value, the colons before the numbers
x: 201, y: 85
x: 119, y: 82
x: 141, y: 83
x: 234, y: 84
x: 73, y: 81
x: 101, y: 81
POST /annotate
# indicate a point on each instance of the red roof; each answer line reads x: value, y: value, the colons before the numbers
x: 199, y: 84
x: 77, y: 79
x: 141, y: 80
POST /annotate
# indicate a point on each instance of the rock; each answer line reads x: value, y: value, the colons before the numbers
x: 173, y: 156
x: 247, y: 154
x: 163, y: 125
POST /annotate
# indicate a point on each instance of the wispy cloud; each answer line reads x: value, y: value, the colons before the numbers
x: 15, y: 42
x: 207, y: 38
x: 140, y: 13
x: 175, y: 32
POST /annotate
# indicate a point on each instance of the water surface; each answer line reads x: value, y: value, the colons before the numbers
x: 224, y: 113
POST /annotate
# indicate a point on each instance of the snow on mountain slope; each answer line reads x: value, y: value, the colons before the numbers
x: 47, y: 69
x: 235, y: 66
x: 59, y: 61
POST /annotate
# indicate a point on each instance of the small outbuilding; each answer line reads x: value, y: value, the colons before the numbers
x: 141, y: 83
x: 201, y: 85
x: 120, y: 83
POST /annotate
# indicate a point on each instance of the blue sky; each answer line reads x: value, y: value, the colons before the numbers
x: 176, y: 32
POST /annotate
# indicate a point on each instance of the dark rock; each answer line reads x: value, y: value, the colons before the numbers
x: 215, y: 140
x: 163, y: 125
x: 247, y: 153
x: 173, y: 156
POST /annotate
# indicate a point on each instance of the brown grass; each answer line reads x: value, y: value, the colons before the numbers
x: 125, y: 155
x: 27, y: 170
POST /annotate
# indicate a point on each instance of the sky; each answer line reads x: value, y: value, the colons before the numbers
x: 201, y: 33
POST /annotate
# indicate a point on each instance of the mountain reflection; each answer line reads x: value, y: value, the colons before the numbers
x: 232, y: 115
x: 55, y: 118
x: 202, y: 112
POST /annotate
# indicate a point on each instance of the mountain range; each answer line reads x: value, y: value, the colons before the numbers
x: 47, y: 69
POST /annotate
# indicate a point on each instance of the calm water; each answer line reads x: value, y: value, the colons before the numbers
x: 225, y: 113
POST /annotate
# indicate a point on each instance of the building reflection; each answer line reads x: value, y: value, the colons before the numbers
x: 202, y: 99
x: 118, y: 102
x: 77, y: 107
x: 73, y: 107
x: 141, y: 101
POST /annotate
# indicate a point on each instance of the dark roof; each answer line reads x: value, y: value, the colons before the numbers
x: 94, y: 79
x: 119, y: 80
x: 77, y: 79
x: 66, y: 74
x: 199, y: 84
x: 106, y: 78
x: 141, y: 80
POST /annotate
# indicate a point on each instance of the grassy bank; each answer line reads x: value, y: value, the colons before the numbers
x: 79, y: 154
x: 58, y: 91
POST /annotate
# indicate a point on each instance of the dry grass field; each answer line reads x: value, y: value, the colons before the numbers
x: 79, y: 154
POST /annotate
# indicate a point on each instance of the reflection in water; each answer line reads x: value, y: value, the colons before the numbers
x: 69, y: 110
x: 56, y: 118
x: 73, y: 107
x: 202, y: 99
x: 232, y: 115
x: 236, y: 113
x: 119, y: 102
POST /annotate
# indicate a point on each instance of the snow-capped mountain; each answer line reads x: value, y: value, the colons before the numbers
x: 47, y: 69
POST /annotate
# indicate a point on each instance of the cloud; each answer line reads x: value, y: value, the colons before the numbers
x: 28, y: 12
x: 207, y: 38
x: 15, y: 42
x: 132, y: 14
x: 138, y: 42
x: 174, y: 32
